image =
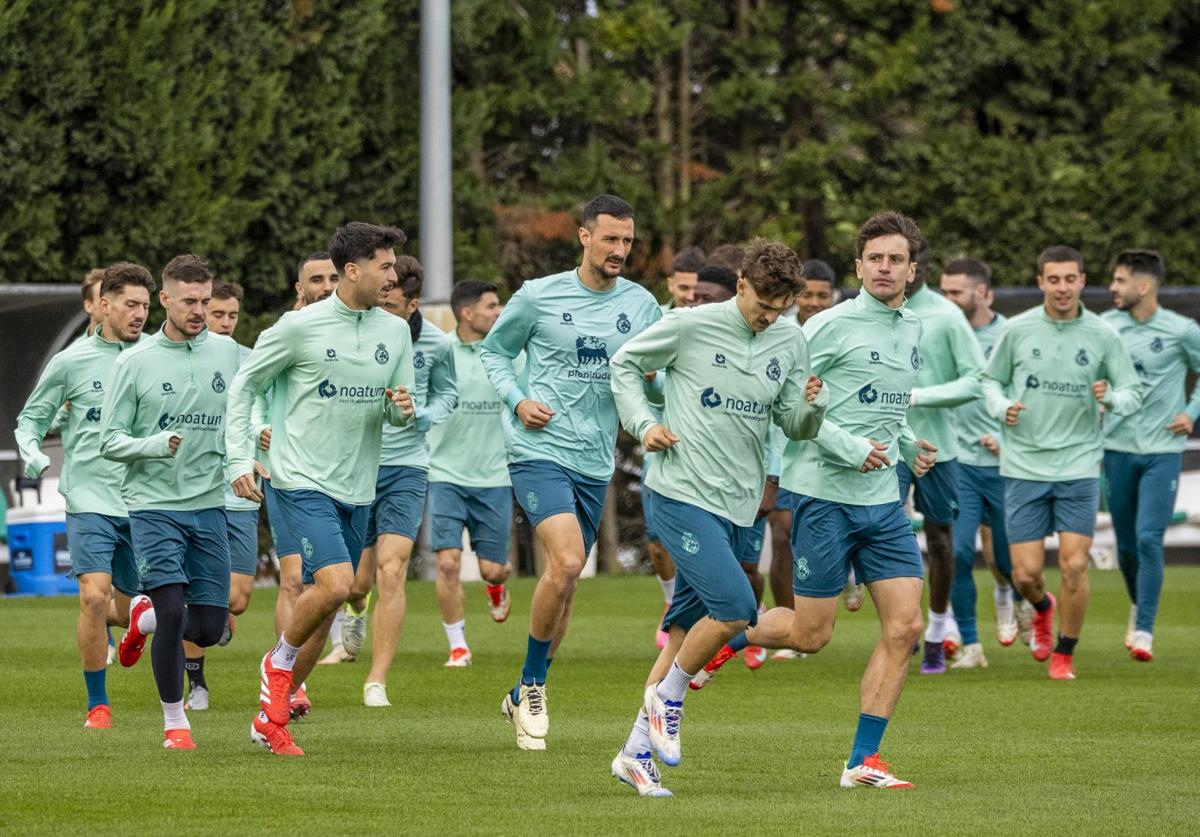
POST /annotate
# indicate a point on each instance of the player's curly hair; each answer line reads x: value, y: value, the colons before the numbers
x: 773, y: 269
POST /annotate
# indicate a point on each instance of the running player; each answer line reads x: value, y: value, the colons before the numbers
x: 241, y: 515
x: 1054, y: 368
x: 1143, y: 456
x: 846, y: 496
x: 339, y: 363
x: 469, y: 486
x: 967, y: 284
x: 102, y: 558
x: 163, y: 417
x: 949, y: 377
x: 564, y: 424
x: 395, y: 517
x: 732, y: 369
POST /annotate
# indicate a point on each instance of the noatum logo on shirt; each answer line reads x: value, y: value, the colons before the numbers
x: 739, y: 407
x: 199, y: 421
x: 1067, y: 389
x: 328, y: 389
x: 884, y: 398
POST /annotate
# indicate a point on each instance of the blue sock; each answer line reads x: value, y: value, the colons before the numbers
x: 96, y: 692
x: 739, y: 642
x: 535, y: 667
x: 549, y: 662
x: 867, y: 738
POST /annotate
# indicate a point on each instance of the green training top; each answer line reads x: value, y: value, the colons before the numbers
x: 569, y: 333
x: 80, y: 374
x: 232, y: 501
x: 161, y: 389
x: 972, y: 421
x: 435, y: 394
x: 724, y: 387
x: 1050, y: 366
x: 867, y: 355
x: 467, y: 447
x: 330, y: 366
x: 1162, y: 348
x: 950, y: 368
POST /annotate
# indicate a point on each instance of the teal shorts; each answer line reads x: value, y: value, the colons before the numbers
x: 243, y: 541
x: 399, y: 502
x: 101, y: 543
x: 486, y: 514
x: 752, y: 549
x: 544, y: 488
x: 1035, y: 509
x: 328, y: 530
x: 183, y: 547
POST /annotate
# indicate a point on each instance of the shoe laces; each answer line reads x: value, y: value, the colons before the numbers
x: 876, y: 763
x: 536, y: 696
x: 672, y: 715
x: 647, y: 762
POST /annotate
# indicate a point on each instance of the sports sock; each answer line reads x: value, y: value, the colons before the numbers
x: 284, y: 655
x: 866, y: 738
x: 495, y: 593
x: 148, y: 621
x: 96, y: 691
x: 335, y: 629
x: 173, y: 715
x: 674, y: 686
x: 639, y: 736
x: 668, y: 587
x: 936, y: 632
x: 1065, y: 645
x: 739, y: 642
x: 1003, y: 597
x: 549, y: 662
x: 1043, y: 605
x: 195, y: 672
x: 534, y: 670
x: 456, y: 634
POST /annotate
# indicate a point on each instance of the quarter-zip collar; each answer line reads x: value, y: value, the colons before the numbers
x: 876, y: 310
x: 1061, y: 324
x: 344, y: 311
x: 191, y: 343
x: 103, y: 342
x: 735, y: 314
x: 473, y: 346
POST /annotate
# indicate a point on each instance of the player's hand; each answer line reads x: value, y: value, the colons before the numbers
x: 657, y: 439
x: 261, y: 471
x: 770, y: 493
x: 245, y: 488
x: 812, y: 389
x: 1181, y: 425
x: 1100, y: 391
x: 649, y: 376
x: 990, y: 444
x: 173, y: 444
x: 1013, y: 415
x: 924, y: 461
x: 264, y: 439
x: 877, y: 458
x: 534, y: 415
x: 401, y: 398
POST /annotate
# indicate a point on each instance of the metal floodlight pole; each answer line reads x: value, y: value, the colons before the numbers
x: 437, y: 234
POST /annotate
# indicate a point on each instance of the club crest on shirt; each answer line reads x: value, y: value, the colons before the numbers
x: 1156, y: 345
x: 419, y: 360
x: 307, y: 546
x: 690, y: 543
x: 218, y: 383
x: 774, y: 370
x: 916, y: 358
x: 381, y: 354
x: 801, y: 568
x: 1082, y: 357
x: 623, y: 324
x: 531, y: 501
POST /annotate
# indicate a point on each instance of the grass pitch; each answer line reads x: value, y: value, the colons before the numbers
x: 1003, y: 750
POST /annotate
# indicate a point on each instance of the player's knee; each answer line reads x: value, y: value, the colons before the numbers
x: 809, y: 639
x: 448, y: 567
x: 391, y: 574
x: 93, y: 600
x: 565, y: 570
x: 495, y: 573
x: 1150, y: 544
x: 735, y: 627
x: 238, y: 602
x: 1074, y: 573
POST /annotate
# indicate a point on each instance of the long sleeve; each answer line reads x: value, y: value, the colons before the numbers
x: 442, y: 397
x: 907, y: 443
x: 504, y: 342
x: 1125, y: 389
x: 655, y: 348
x: 271, y: 356
x: 968, y: 362
x: 791, y: 410
x: 37, y: 417
x: 117, y: 442
x: 1191, y: 345
x: 996, y: 376
x: 405, y: 376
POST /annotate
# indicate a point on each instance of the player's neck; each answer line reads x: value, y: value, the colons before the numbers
x: 594, y: 280
x: 345, y: 294
x: 982, y: 316
x: 1145, y: 308
x: 172, y: 333
x: 466, y: 334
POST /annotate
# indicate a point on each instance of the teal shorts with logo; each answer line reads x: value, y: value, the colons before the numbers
x: 243, y: 540
x: 544, y: 489
x: 327, y: 530
x: 183, y: 547
x: 101, y: 543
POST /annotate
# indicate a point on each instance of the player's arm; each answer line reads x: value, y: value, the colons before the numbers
x: 996, y: 376
x: 1191, y: 412
x: 792, y: 411
x: 655, y: 348
x: 117, y: 441
x: 37, y: 416
x: 270, y: 356
x: 400, y: 410
x: 442, y: 397
x: 60, y: 419
x: 1123, y: 396
x: 824, y: 350
x: 968, y: 363
x: 505, y: 342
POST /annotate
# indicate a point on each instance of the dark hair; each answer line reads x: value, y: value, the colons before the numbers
x: 604, y: 205
x: 409, y: 276
x: 973, y: 269
x: 773, y: 269
x: 1145, y: 262
x: 359, y: 241
x: 821, y: 271
x: 467, y: 293
x: 718, y: 275
x: 922, y: 259
x: 316, y: 256
x: 688, y: 260
x: 728, y: 255
x: 93, y: 278
x: 889, y: 222
x: 1059, y: 253
x: 186, y: 268
x: 228, y: 290
x: 120, y: 274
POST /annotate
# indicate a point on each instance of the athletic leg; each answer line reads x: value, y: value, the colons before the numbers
x: 290, y: 588
x: 1156, y: 489
x: 780, y: 521
x: 1121, y: 481
x: 392, y: 552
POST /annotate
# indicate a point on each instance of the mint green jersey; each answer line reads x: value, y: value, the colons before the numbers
x: 435, y: 394
x: 161, y: 389
x: 725, y: 385
x: 467, y: 448
x: 867, y: 355
x: 569, y: 333
x: 1162, y: 349
x: 1050, y: 366
x: 949, y: 376
x: 80, y: 374
x: 329, y: 366
x: 232, y: 501
x: 972, y: 421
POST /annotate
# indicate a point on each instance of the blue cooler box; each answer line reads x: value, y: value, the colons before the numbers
x: 38, y: 554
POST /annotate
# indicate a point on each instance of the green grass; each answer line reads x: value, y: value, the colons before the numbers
x: 998, y: 751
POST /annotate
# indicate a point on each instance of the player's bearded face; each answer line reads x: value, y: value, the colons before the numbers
x: 607, y: 245
x: 124, y: 313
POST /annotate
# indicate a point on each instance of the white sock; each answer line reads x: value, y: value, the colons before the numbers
x: 173, y: 716
x: 148, y: 621
x: 1002, y: 596
x: 668, y: 587
x: 1144, y: 636
x: 456, y: 634
x: 674, y: 686
x: 335, y: 629
x: 639, y: 737
x: 952, y: 623
x: 936, y: 632
x: 284, y: 655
